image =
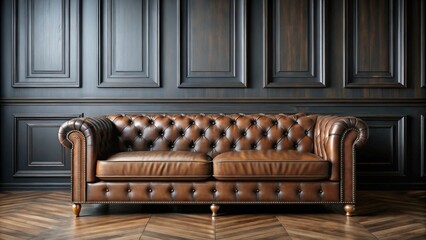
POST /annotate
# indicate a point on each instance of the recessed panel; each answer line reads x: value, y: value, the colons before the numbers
x: 385, y: 153
x: 37, y: 142
x: 127, y: 32
x: 211, y: 27
x: 47, y: 36
x: 129, y: 43
x: 294, y: 43
x: 292, y: 34
x: 46, y: 43
x: 376, y: 38
x: 212, y: 43
x: 38, y: 152
x: 374, y: 30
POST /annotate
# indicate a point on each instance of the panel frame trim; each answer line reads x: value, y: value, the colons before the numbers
x: 238, y: 76
x: 317, y: 71
x: 47, y: 79
x: 37, y: 173
x: 398, y: 57
x: 401, y: 157
x: 106, y: 78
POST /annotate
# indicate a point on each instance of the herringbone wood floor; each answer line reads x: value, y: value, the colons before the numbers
x: 47, y: 215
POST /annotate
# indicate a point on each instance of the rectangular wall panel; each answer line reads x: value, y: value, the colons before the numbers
x: 385, y: 152
x: 212, y: 43
x: 37, y: 152
x: 423, y: 44
x: 376, y: 43
x: 46, y: 43
x: 294, y: 43
x: 129, y: 43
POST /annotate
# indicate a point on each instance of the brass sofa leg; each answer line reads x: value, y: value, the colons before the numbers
x: 349, y: 209
x: 214, y: 208
x: 76, y: 208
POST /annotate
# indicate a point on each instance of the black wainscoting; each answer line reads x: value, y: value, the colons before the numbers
x: 63, y: 59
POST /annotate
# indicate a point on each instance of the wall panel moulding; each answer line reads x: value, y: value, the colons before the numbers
x: 46, y: 43
x: 294, y: 34
x: 129, y: 43
x: 212, y: 43
x: 376, y: 44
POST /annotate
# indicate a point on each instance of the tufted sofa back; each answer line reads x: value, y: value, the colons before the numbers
x: 214, y: 133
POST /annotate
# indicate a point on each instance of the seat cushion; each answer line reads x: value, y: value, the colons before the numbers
x: 155, y: 165
x: 270, y: 165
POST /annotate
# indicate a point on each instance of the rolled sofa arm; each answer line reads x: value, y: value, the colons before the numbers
x: 100, y: 140
x: 336, y: 139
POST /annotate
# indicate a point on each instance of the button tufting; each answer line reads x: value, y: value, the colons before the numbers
x: 277, y: 190
x: 223, y: 134
x: 274, y: 146
x: 257, y: 190
x: 254, y: 122
x: 285, y: 133
x: 193, y: 190
x: 182, y: 133
x: 172, y: 145
x: 299, y: 190
x: 149, y: 190
x: 129, y: 190
x: 214, y: 190
x: 321, y: 191
x: 236, y: 190
x: 306, y: 133
x: 213, y: 123
x: 172, y: 123
x: 192, y: 146
x: 151, y: 122
x: 275, y: 122
x: 233, y: 122
x: 140, y: 134
x: 106, y: 190
x: 172, y: 190
x: 265, y: 133
x: 253, y: 146
x: 202, y: 133
x: 244, y: 133
x: 191, y: 123
x: 150, y: 145
x: 213, y: 145
x: 233, y: 146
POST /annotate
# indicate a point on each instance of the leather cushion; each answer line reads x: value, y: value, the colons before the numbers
x: 155, y: 165
x: 270, y: 165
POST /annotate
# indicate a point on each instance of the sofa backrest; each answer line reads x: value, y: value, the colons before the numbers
x: 215, y: 133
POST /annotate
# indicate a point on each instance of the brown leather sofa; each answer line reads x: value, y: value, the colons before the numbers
x: 214, y: 159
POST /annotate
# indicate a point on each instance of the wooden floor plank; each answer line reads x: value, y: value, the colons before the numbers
x: 43, y: 215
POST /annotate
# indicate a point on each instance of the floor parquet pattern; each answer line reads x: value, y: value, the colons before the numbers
x: 47, y: 215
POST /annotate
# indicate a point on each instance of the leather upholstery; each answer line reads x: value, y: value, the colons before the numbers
x: 155, y: 165
x: 100, y: 139
x: 332, y: 139
x: 214, y: 133
x: 270, y: 165
x: 214, y: 192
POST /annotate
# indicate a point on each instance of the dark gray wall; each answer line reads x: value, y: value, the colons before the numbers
x: 64, y: 59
